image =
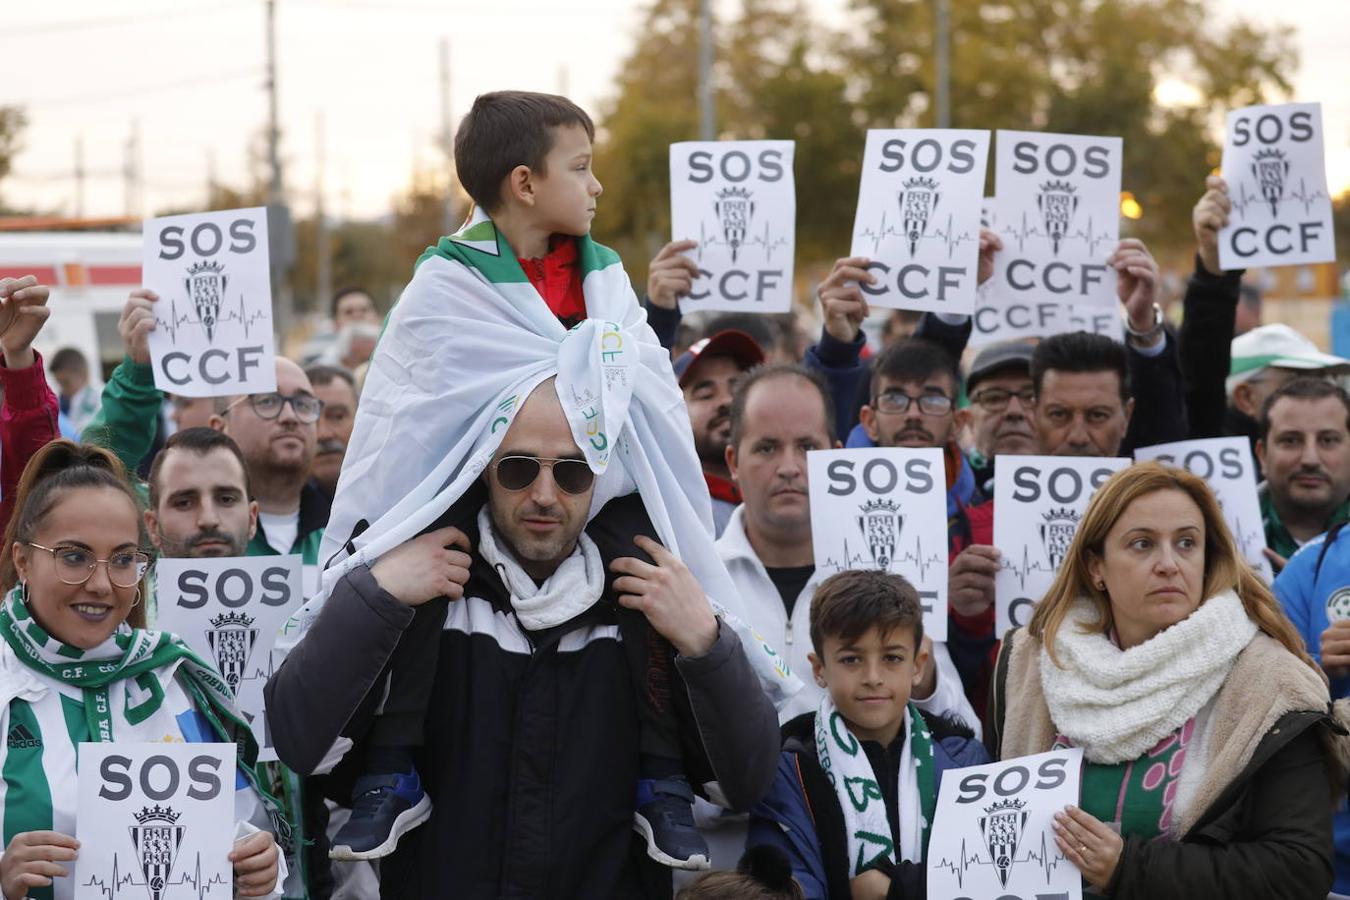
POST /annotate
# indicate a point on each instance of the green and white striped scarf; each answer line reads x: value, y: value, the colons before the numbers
x: 129, y: 660
x: 850, y: 773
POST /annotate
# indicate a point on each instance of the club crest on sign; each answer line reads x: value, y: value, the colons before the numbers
x: 1058, y: 201
x: 1057, y: 533
x: 1270, y: 168
x: 1002, y: 825
x: 880, y: 522
x: 156, y: 837
x: 734, y: 209
x: 918, y: 200
x: 232, y: 637
x: 1338, y: 605
x: 206, y: 283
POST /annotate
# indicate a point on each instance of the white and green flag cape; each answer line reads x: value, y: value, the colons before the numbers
x: 465, y: 345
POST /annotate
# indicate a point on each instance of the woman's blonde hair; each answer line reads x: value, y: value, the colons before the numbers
x: 1225, y: 569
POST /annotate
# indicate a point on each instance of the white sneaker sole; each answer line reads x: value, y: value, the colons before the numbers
x: 695, y: 863
x: 407, y: 820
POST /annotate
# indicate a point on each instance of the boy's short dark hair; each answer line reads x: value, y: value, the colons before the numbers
x: 199, y: 441
x: 1081, y: 352
x: 505, y: 129
x: 915, y: 359
x: 1303, y: 388
x: 848, y: 604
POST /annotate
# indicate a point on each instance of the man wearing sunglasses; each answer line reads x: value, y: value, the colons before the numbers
x: 538, y: 741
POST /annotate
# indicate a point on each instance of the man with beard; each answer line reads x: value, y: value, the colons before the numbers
x: 1304, y: 451
x: 200, y: 503
x: 707, y: 372
x: 336, y: 387
x: 277, y: 433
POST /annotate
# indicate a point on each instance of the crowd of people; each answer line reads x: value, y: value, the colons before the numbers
x: 565, y: 633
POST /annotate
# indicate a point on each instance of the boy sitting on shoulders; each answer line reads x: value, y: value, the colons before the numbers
x: 857, y: 782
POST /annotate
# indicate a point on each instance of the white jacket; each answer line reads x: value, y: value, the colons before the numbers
x: 758, y: 602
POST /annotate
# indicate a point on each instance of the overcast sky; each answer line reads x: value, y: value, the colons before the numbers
x: 190, y: 73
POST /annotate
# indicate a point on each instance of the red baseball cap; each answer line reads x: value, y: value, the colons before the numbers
x: 738, y: 345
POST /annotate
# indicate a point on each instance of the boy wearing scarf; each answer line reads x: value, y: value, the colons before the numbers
x: 858, y: 779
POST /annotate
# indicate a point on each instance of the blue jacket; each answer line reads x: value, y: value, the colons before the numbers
x: 1315, y: 588
x: 801, y: 815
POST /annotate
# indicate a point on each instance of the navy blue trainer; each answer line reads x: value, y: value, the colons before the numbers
x: 384, y: 808
x: 665, y: 817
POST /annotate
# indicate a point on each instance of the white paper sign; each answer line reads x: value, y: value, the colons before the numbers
x: 1226, y: 464
x: 1038, y: 501
x: 884, y: 508
x: 213, y: 319
x: 1276, y: 171
x: 155, y: 820
x: 231, y: 611
x: 992, y: 838
x: 918, y: 217
x: 1059, y: 216
x: 739, y: 201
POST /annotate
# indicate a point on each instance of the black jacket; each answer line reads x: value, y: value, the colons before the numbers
x: 1209, y: 316
x: 531, y: 747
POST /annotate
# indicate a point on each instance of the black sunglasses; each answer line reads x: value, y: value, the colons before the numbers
x: 516, y: 473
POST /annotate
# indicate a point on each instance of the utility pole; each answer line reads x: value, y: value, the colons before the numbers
x: 707, y: 127
x: 942, y: 55
x: 79, y: 177
x: 133, y: 202
x: 278, y: 216
x: 324, y: 277
x: 447, y: 143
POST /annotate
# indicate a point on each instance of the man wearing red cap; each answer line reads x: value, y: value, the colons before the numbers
x: 707, y: 372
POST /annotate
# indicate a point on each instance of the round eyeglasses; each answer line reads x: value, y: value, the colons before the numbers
x: 268, y: 406
x: 75, y: 565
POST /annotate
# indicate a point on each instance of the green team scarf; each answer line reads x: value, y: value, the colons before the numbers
x: 129, y: 659
x: 850, y: 773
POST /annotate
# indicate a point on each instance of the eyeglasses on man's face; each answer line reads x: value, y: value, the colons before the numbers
x: 997, y: 399
x: 899, y: 401
x: 268, y: 406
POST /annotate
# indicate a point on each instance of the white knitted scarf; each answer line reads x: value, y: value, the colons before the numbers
x: 1118, y: 704
x: 571, y: 590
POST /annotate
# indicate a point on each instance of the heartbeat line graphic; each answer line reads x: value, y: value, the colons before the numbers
x: 945, y: 235
x: 1090, y: 236
x: 1047, y: 859
x: 1251, y: 543
x: 118, y: 882
x: 1024, y: 569
x: 923, y: 563
x: 1244, y: 199
x: 177, y: 321
x: 766, y: 240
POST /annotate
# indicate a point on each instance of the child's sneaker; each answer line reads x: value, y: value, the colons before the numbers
x: 384, y: 808
x: 665, y: 817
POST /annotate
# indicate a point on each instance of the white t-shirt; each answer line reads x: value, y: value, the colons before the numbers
x: 281, y: 529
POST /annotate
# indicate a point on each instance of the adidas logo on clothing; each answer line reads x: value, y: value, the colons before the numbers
x: 20, y: 738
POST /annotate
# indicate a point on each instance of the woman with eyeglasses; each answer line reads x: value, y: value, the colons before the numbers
x: 74, y: 638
